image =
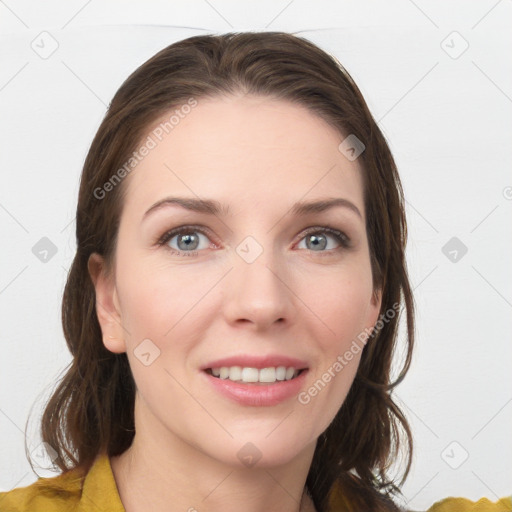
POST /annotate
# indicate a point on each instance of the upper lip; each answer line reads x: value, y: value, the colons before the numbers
x: 249, y: 361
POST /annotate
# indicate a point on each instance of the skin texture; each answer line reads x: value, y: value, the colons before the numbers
x: 259, y: 156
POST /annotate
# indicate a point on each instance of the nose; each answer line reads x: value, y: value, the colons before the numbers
x: 259, y: 292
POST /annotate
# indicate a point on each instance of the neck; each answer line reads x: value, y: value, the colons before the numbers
x: 164, y: 473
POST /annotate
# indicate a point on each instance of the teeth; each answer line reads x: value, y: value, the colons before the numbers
x: 265, y: 375
x: 280, y: 373
x: 248, y: 374
x: 289, y: 373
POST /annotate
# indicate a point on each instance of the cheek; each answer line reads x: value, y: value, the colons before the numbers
x: 157, y: 298
x: 339, y: 327
x: 158, y: 314
x: 339, y: 338
x: 338, y: 306
x: 341, y: 348
x: 166, y: 306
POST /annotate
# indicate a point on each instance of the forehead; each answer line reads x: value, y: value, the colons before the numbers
x: 244, y: 150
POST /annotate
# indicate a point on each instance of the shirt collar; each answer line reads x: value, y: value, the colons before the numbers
x: 99, y: 489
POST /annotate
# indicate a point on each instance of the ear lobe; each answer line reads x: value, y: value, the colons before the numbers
x: 375, y: 305
x: 377, y: 298
x: 107, y: 304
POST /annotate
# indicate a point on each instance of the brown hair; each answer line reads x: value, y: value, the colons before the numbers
x: 92, y: 409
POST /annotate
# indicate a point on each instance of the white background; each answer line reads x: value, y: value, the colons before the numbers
x: 447, y: 119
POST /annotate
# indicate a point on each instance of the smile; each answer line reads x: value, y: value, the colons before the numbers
x: 254, y: 375
x: 256, y: 392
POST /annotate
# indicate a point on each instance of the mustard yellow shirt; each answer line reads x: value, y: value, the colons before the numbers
x: 63, y: 493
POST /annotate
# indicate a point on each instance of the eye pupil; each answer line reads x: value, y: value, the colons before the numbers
x: 188, y: 240
x: 316, y: 243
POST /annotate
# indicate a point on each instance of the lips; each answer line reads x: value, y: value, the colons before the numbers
x: 257, y: 394
x: 261, y: 381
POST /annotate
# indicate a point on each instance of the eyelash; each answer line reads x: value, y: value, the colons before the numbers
x: 341, y: 237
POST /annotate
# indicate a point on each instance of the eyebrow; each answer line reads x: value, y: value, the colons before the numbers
x: 212, y: 207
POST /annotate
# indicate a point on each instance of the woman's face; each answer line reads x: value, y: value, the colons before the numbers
x: 256, y: 284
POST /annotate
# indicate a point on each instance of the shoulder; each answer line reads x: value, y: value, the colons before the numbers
x: 74, y: 490
x: 466, y: 505
x: 47, y: 494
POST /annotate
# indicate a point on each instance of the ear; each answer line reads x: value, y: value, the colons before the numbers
x: 376, y: 300
x: 374, y: 308
x: 107, y: 305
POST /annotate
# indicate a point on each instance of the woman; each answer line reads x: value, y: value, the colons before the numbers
x: 233, y: 305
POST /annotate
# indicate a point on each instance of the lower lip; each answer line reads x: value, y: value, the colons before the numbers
x: 259, y: 395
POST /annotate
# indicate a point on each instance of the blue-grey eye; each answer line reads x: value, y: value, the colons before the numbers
x: 187, y: 240
x: 318, y: 241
